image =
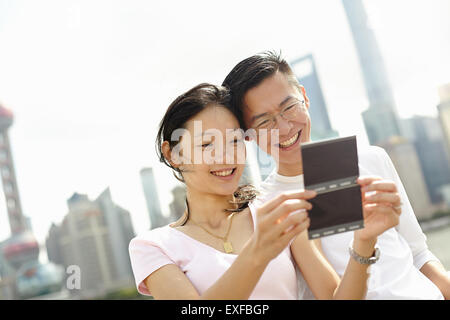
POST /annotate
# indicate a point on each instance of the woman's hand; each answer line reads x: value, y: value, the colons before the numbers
x: 278, y: 222
x: 381, y: 210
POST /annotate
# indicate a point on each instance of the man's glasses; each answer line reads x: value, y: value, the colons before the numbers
x: 288, y: 113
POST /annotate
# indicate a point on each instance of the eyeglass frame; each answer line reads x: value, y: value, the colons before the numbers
x: 301, y: 106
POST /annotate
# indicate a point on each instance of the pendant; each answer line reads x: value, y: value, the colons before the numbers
x: 228, y: 247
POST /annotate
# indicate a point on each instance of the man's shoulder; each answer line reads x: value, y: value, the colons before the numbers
x: 368, y: 154
x: 368, y: 150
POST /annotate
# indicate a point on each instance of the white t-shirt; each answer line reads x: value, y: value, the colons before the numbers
x: 404, y: 251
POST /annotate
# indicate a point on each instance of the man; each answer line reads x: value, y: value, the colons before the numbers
x: 266, y: 96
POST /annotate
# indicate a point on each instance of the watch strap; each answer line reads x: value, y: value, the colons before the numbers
x: 365, y: 260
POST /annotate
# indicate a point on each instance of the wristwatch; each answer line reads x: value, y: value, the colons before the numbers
x: 365, y: 260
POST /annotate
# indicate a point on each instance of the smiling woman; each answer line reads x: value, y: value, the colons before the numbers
x: 201, y: 140
x: 218, y: 249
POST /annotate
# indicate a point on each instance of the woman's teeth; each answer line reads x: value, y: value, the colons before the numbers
x: 289, y: 142
x: 222, y: 173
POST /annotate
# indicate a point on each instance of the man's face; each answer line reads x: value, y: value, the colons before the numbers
x: 269, y: 98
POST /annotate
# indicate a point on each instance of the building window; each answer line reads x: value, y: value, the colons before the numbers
x: 11, y: 203
x: 3, y: 155
x: 5, y: 172
x: 8, y: 188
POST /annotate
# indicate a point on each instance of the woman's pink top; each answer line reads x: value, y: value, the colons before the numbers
x: 204, y: 265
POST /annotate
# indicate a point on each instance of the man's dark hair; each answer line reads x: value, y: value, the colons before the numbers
x: 249, y: 73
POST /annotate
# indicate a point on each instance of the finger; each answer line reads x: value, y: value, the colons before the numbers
x: 287, y: 207
x: 380, y: 209
x: 397, y: 209
x: 384, y: 197
x: 299, y: 228
x: 382, y: 185
x: 365, y: 180
x: 278, y: 200
x: 292, y: 220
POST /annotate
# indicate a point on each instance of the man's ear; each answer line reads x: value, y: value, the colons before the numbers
x: 303, y: 91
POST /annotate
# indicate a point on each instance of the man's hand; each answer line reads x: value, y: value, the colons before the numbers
x: 381, y: 208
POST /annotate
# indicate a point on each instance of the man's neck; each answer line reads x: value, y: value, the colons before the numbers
x: 289, y: 170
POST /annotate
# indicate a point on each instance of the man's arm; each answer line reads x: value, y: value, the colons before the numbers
x: 380, y: 214
x: 318, y: 273
x: 436, y: 272
x: 410, y: 230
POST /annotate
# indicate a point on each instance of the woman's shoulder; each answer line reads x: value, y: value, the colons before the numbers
x: 156, y: 236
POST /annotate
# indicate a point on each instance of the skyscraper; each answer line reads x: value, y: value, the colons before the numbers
x: 151, y: 198
x: 22, y: 247
x: 380, y: 119
x: 444, y: 112
x: 94, y: 236
x: 427, y: 136
x: 178, y: 204
x: 404, y: 157
x: 258, y: 164
x: 306, y: 73
x: 121, y: 232
x: 17, y: 221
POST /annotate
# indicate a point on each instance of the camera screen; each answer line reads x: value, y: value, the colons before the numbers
x: 329, y: 160
x: 336, y: 208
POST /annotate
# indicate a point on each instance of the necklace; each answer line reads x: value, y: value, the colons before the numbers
x: 226, y: 244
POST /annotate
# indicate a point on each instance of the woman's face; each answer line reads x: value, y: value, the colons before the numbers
x: 212, y: 152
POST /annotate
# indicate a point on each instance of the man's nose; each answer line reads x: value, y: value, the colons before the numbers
x: 283, y: 125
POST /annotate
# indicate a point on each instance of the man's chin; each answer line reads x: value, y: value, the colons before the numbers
x: 287, y: 156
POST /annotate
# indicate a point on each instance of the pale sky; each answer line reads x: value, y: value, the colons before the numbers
x: 88, y: 81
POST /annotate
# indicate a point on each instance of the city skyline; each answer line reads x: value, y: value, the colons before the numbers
x: 92, y: 121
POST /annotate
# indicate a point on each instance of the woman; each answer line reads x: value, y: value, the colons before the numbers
x: 222, y: 248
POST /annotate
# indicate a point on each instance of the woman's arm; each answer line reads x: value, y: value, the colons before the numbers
x: 238, y: 282
x: 278, y: 222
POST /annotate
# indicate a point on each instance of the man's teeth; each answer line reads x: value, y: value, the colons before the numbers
x: 222, y: 173
x: 289, y: 142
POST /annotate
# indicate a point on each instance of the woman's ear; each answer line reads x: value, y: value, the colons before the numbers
x: 169, y: 155
x: 250, y: 134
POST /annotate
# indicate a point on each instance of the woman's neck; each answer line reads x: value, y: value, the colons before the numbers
x: 208, y: 209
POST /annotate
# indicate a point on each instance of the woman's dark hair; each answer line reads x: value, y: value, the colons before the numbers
x: 182, y: 109
x: 249, y: 73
